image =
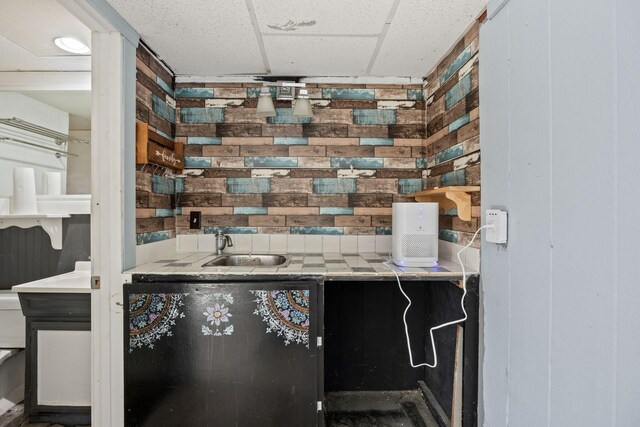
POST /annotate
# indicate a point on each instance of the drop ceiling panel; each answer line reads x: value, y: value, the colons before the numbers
x: 197, y: 37
x: 322, y: 17
x: 15, y: 58
x: 319, y: 56
x: 33, y: 25
x: 421, y: 33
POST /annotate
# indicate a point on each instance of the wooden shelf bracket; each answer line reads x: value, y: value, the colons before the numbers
x: 452, y: 197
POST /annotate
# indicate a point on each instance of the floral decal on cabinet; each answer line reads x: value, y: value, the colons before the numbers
x: 151, y: 317
x: 286, y: 312
x: 217, y: 314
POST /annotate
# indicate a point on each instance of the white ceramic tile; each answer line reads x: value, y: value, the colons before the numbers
x: 330, y: 243
x: 313, y: 244
x: 383, y: 244
x: 260, y: 243
x: 241, y: 243
x: 366, y: 243
x: 278, y: 243
x: 295, y: 243
x: 141, y: 255
x: 187, y: 243
x: 207, y: 243
x: 161, y: 250
x: 348, y: 244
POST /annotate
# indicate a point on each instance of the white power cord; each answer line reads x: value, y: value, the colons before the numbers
x: 453, y: 322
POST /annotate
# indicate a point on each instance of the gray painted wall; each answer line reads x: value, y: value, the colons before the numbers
x: 560, y: 142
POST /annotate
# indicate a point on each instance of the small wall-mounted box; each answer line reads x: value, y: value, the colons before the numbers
x: 498, y: 219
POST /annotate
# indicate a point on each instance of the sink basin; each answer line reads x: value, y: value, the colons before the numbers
x: 249, y: 260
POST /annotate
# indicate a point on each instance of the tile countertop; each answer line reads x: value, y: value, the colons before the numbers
x: 333, y: 266
x: 76, y: 281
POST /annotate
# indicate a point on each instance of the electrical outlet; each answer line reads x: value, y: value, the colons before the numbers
x: 497, y: 233
x: 194, y: 220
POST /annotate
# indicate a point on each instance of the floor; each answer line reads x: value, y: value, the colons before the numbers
x: 378, y: 408
x: 343, y: 409
x: 15, y: 417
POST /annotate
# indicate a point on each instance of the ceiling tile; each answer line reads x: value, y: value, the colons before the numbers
x: 33, y: 25
x: 421, y: 33
x: 319, y: 56
x: 15, y: 58
x: 330, y: 16
x: 197, y: 37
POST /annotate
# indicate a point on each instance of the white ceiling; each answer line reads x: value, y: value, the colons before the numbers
x: 27, y: 30
x: 333, y: 38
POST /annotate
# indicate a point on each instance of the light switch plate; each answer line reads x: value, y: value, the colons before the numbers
x: 194, y: 220
x: 497, y: 233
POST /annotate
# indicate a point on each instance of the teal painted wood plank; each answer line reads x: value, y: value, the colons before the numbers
x: 179, y: 185
x: 334, y: 185
x: 194, y: 92
x: 347, y: 93
x: 357, y: 162
x: 317, y: 230
x: 270, y: 162
x: 162, y: 109
x: 374, y: 117
x: 248, y: 210
x: 248, y: 185
x: 421, y: 163
x: 453, y: 178
x: 410, y: 185
x: 230, y: 230
x: 457, y: 63
x: 451, y: 212
x: 204, y: 140
x: 197, y: 162
x: 336, y: 211
x: 165, y: 86
x: 254, y: 92
x: 202, y: 115
x: 416, y: 94
x: 449, y: 153
x: 286, y: 140
x: 376, y: 141
x: 383, y: 230
x: 459, y: 122
x: 164, y: 213
x: 448, y: 235
x: 458, y: 92
x: 285, y: 116
x: 152, y: 236
x: 159, y: 132
x: 178, y: 211
x: 162, y: 185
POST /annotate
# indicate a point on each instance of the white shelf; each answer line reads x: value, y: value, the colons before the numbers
x: 51, y: 223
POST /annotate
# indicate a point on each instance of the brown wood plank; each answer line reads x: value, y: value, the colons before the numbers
x: 160, y: 155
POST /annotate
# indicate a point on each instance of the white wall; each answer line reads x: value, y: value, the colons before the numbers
x: 79, y: 168
x: 560, y: 142
x: 19, y: 155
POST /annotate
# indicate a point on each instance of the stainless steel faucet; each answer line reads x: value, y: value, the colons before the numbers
x: 222, y: 241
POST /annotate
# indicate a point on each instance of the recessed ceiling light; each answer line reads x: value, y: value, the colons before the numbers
x: 71, y: 44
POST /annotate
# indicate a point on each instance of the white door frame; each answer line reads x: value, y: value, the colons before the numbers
x: 113, y: 65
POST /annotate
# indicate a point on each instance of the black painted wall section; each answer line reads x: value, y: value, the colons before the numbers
x: 365, y: 344
x: 26, y: 254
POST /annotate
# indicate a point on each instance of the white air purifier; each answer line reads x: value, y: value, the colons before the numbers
x: 415, y: 234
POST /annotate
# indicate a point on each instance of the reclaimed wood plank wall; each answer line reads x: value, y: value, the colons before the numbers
x: 453, y: 131
x: 335, y: 173
x: 155, y: 186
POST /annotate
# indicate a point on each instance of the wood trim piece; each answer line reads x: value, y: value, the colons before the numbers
x: 154, y: 148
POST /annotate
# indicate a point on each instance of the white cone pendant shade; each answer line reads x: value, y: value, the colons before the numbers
x: 265, y: 104
x: 302, y: 105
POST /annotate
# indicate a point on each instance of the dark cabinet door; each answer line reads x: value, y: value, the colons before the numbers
x: 223, y: 354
